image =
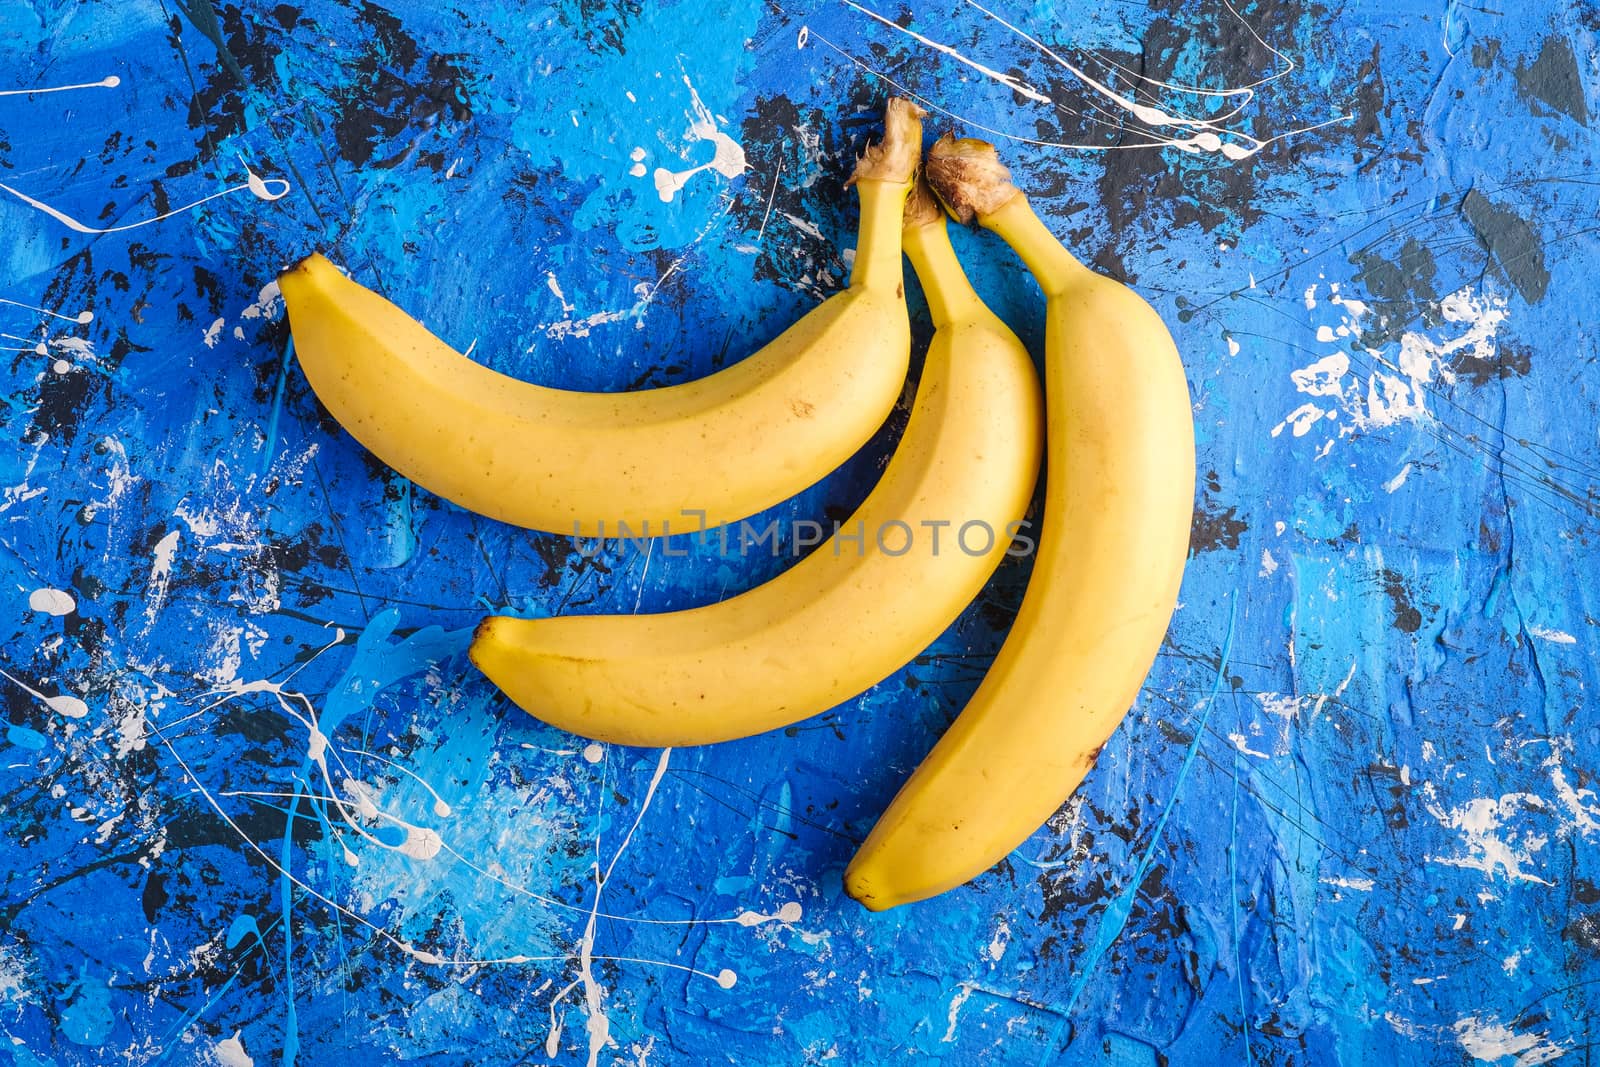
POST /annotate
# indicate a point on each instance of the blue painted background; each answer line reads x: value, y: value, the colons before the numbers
x: 1352, y: 819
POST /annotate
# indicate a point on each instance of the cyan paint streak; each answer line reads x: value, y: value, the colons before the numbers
x: 1350, y: 821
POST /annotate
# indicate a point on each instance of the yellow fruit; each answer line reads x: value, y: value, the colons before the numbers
x: 587, y: 464
x: 862, y: 604
x: 1119, y: 491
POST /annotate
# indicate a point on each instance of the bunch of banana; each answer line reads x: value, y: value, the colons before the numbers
x: 1117, y: 438
x: 1119, y: 494
x: 860, y: 605
x: 727, y: 445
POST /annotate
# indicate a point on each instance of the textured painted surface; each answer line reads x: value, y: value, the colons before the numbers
x: 258, y: 808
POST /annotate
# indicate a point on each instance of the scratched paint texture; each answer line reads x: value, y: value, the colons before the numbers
x: 258, y: 807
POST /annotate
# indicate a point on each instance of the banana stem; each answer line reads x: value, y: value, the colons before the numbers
x: 951, y: 298
x: 1056, y: 269
x: 877, y: 262
x: 967, y: 176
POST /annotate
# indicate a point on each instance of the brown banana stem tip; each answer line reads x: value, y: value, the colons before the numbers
x: 922, y: 207
x: 968, y: 177
x: 895, y: 158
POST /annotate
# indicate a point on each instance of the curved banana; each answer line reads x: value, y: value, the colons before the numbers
x: 581, y: 463
x: 1119, y: 491
x: 862, y: 604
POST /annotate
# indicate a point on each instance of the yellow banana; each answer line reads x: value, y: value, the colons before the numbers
x: 862, y: 604
x: 1119, y: 491
x: 586, y: 464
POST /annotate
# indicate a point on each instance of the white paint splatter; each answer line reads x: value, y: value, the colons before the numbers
x: 999, y: 942
x: 728, y: 160
x: 1363, y: 885
x: 1268, y: 564
x: 268, y: 302
x: 1490, y: 1041
x: 213, y: 332
x: 1397, y: 388
x: 1398, y: 480
x: 1490, y: 845
x: 52, y: 601
x: 231, y: 1053
x: 1241, y: 743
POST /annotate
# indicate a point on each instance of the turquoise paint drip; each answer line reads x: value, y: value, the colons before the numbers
x: 1117, y: 912
x: 271, y: 447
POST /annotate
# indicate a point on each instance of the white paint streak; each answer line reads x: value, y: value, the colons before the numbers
x: 261, y: 189
x: 110, y: 82
x: 1198, y: 135
x: 165, y: 552
x: 1559, y: 637
x: 1398, y: 480
x: 962, y: 993
x: 62, y: 704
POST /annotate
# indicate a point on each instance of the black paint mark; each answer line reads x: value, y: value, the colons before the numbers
x: 1215, y: 527
x: 799, y: 160
x: 1508, y: 361
x: 1554, y: 80
x: 1407, y: 619
x: 155, y: 896
x: 1212, y: 530
x: 397, y: 95
x: 247, y: 51
x: 1513, y: 243
x: 1144, y: 189
x: 602, y: 25
x: 1584, y: 932
x: 1402, y: 285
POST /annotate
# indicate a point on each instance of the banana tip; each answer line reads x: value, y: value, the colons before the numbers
x: 859, y: 889
x: 306, y: 266
x: 481, y: 634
